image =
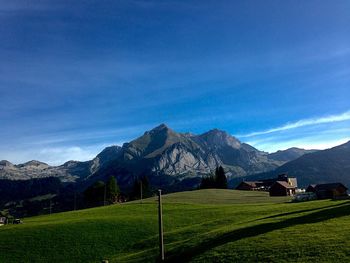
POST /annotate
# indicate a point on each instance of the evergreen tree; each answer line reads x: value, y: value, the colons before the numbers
x: 146, y: 190
x: 94, y: 194
x: 220, y: 178
x: 207, y: 182
x: 135, y: 194
x: 112, y: 190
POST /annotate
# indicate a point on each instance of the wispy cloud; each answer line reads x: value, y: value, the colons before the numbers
x: 57, y: 148
x: 117, y: 136
x: 53, y: 155
x: 301, y: 123
x: 59, y: 155
x: 314, y: 142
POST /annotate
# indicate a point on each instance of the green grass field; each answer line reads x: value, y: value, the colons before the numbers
x: 200, y: 226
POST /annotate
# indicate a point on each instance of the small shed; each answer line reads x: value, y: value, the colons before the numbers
x: 282, y: 188
x: 329, y: 191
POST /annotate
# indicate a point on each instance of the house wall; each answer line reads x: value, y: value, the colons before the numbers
x: 310, y: 189
x: 339, y: 191
x: 278, y: 190
x: 324, y: 194
x: 244, y: 186
x: 293, y: 182
x: 331, y: 193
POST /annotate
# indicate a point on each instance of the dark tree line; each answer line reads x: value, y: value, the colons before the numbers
x: 12, y: 190
x: 218, y: 180
x: 141, y: 184
x: 102, y: 193
x: 56, y: 197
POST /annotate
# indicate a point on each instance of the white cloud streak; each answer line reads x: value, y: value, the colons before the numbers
x: 54, y: 155
x: 301, y: 123
x: 308, y: 143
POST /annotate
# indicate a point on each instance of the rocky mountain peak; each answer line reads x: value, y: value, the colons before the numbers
x: 220, y: 138
x: 109, y: 151
x: 5, y: 163
x: 152, y: 142
x: 162, y: 128
x: 34, y: 163
x: 70, y: 163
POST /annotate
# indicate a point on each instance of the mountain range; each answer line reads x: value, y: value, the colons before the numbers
x: 165, y: 156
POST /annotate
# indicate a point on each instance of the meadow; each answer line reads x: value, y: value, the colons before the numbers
x: 199, y: 226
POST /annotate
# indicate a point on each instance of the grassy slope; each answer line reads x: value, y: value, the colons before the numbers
x: 202, y: 226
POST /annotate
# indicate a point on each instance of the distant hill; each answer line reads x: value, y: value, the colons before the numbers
x: 289, y: 154
x: 331, y: 165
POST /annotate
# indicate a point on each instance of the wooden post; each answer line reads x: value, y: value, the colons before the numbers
x: 160, y: 224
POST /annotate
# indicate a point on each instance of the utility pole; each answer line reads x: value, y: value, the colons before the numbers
x: 141, y: 190
x: 104, y: 194
x: 160, y: 224
x: 75, y: 201
x: 50, y: 205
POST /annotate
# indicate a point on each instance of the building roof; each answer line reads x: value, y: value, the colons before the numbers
x: 267, y: 183
x: 330, y: 186
x: 252, y: 183
x: 285, y: 184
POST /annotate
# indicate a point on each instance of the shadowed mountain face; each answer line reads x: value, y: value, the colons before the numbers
x: 327, y: 166
x: 163, y: 151
x: 167, y: 157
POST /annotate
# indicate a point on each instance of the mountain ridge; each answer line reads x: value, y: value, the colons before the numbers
x: 160, y: 151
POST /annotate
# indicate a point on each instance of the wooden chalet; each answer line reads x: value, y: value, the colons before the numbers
x: 282, y: 188
x: 250, y: 186
x: 266, y: 184
x: 290, y: 180
x: 328, y: 191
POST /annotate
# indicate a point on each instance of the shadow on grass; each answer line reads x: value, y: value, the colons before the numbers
x: 235, y: 235
x: 299, y: 212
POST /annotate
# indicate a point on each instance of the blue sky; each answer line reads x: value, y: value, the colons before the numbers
x: 76, y: 76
